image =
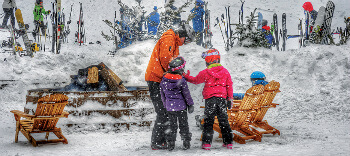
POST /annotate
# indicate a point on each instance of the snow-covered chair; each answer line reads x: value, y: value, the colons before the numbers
x: 270, y: 91
x: 48, y: 111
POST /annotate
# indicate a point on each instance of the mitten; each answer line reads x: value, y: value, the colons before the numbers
x: 229, y: 104
x: 190, y: 109
x: 186, y: 74
x: 48, y: 12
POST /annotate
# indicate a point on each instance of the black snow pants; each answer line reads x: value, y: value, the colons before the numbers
x: 158, y: 134
x: 171, y: 130
x: 216, y: 106
x: 8, y: 13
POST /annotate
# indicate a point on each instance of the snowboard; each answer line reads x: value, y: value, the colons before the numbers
x: 260, y: 18
x: 27, y: 42
x: 326, y: 31
x: 318, y: 25
x: 284, y: 31
x: 275, y: 23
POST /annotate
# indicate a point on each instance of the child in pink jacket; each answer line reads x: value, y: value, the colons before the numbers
x: 218, y: 94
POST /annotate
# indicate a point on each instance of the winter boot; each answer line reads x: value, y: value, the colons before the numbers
x: 206, y: 147
x: 187, y: 144
x: 171, y: 145
x: 158, y: 147
x: 228, y: 146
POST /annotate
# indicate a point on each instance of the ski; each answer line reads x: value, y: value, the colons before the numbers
x: 207, y: 30
x: 27, y: 43
x: 327, y: 22
x: 301, y: 35
x: 80, y: 34
x: 307, y: 23
x: 275, y: 23
x: 284, y: 31
x: 59, y: 26
x: 54, y: 27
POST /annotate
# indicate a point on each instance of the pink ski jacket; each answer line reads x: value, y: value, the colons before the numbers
x: 217, y: 81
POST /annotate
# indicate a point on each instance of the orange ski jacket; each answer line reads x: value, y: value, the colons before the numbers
x: 165, y: 50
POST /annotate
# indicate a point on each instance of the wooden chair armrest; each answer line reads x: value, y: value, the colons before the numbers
x: 274, y: 105
x: 63, y: 115
x: 237, y: 109
x: 202, y: 107
x: 237, y: 101
x: 22, y: 114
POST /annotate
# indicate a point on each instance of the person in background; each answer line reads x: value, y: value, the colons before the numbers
x: 198, y: 21
x: 177, y: 101
x: 257, y: 78
x: 9, y: 6
x: 218, y: 94
x: 268, y: 34
x: 166, y: 49
x: 313, y: 13
x: 39, y: 18
x: 153, y: 21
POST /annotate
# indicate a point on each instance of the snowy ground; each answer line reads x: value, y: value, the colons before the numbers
x: 313, y: 115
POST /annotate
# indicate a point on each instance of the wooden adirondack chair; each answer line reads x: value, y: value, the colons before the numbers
x: 48, y: 111
x: 270, y: 91
x: 239, y: 116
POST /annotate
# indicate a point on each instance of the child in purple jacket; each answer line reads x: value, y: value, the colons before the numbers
x: 176, y: 99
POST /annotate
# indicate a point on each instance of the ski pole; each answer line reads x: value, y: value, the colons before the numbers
x: 217, y: 20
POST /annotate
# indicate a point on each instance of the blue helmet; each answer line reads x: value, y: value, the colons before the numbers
x: 155, y: 8
x: 258, y: 77
x: 257, y: 74
x: 199, y: 2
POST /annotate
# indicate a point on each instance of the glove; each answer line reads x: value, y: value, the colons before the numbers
x: 190, y: 109
x: 229, y: 104
x: 15, y: 9
x: 186, y: 74
x: 48, y: 12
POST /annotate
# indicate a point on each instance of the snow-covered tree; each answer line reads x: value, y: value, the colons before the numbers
x: 248, y: 35
x: 170, y: 19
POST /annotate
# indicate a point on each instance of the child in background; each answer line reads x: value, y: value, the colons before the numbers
x: 218, y: 94
x: 176, y: 99
x: 39, y: 18
x: 256, y: 78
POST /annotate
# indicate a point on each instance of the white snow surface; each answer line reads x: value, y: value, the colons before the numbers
x: 313, y: 116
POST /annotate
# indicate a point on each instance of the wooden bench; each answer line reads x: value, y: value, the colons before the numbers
x: 48, y: 111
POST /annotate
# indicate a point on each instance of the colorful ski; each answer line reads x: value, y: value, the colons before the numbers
x: 59, y: 26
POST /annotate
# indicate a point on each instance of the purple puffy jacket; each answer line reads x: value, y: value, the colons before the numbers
x: 175, y: 93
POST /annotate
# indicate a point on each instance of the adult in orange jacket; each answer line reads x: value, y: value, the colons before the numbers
x: 165, y: 50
